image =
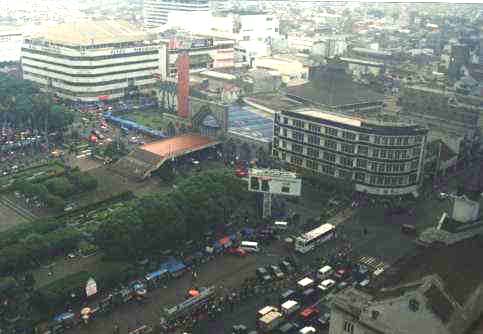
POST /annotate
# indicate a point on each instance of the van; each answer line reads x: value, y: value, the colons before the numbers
x: 250, y: 246
x: 280, y: 225
x: 289, y: 307
x: 325, y: 272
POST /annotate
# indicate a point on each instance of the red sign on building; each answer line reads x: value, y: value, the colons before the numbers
x: 183, y: 67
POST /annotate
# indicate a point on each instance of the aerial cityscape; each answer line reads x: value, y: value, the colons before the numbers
x: 241, y: 167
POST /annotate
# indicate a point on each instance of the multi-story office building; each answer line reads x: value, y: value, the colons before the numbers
x: 157, y: 12
x: 91, y: 61
x: 379, y: 158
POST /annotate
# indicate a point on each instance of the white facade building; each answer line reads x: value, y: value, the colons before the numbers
x: 327, y: 46
x: 91, y: 61
x: 10, y: 44
x: 158, y: 12
x: 253, y: 32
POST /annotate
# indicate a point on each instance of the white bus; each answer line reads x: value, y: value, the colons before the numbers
x: 279, y: 225
x: 249, y: 246
x: 307, y: 241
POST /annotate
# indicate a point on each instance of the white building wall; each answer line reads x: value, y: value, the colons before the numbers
x: 96, y: 76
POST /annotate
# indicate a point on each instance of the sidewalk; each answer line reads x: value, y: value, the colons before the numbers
x: 341, y: 216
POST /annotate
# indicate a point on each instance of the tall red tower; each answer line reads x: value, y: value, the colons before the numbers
x: 183, y: 67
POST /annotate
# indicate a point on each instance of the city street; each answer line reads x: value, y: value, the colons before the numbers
x: 384, y: 242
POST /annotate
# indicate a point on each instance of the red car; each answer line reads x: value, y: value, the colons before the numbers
x: 237, y: 251
x: 342, y: 274
x: 309, y: 313
x: 241, y: 172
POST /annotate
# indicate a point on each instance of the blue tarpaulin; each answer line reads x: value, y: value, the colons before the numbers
x: 172, y: 265
x: 155, y: 274
x: 176, y: 267
x: 64, y: 316
x: 247, y: 232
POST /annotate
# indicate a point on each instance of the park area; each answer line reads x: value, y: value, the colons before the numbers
x: 150, y: 118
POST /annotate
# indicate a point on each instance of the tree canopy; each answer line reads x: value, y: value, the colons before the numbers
x: 24, y: 106
x: 161, y: 221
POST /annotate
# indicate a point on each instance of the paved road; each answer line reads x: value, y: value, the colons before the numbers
x: 225, y: 271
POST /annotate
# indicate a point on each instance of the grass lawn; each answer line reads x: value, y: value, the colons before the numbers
x: 150, y: 118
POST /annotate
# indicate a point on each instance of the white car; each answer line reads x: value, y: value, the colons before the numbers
x: 326, y: 285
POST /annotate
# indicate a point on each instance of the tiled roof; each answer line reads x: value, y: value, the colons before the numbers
x: 177, y: 145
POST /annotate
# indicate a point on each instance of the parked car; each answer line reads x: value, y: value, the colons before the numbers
x: 237, y: 251
x: 286, y: 267
x: 276, y: 272
x: 326, y: 285
x: 263, y: 274
x: 342, y: 274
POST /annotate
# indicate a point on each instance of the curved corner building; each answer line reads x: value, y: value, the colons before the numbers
x: 378, y: 157
x: 156, y: 12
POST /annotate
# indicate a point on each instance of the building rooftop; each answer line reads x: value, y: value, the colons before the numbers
x: 362, y: 122
x: 334, y: 91
x: 242, y: 121
x: 177, y: 146
x: 330, y: 117
x: 456, y: 265
x: 87, y: 33
x: 274, y: 101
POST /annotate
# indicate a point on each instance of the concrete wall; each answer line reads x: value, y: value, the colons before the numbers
x: 471, y: 312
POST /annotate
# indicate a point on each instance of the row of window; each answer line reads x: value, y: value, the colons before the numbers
x: 130, y: 71
x: 362, y: 150
x: 91, y: 58
x: 377, y: 180
x: 353, y: 136
x: 67, y: 67
x: 90, y: 84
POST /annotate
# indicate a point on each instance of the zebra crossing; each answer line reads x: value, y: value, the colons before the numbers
x: 375, y: 265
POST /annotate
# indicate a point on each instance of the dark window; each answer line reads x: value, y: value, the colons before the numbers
x: 329, y: 156
x: 312, y: 152
x: 331, y: 144
x: 297, y: 148
x: 360, y: 176
x: 314, y: 140
x: 298, y: 136
x: 348, y: 135
x: 347, y: 148
x: 361, y: 163
x: 327, y: 169
x: 314, y: 128
x: 312, y: 165
x: 298, y: 123
x: 363, y: 150
x: 331, y: 132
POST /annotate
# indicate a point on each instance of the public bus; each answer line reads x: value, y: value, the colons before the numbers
x: 308, y: 241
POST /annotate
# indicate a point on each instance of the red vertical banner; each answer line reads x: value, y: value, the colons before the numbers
x: 183, y: 67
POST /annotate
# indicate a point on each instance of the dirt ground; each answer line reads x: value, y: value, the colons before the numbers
x: 9, y: 218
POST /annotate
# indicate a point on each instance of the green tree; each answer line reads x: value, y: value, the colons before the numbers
x: 60, y: 186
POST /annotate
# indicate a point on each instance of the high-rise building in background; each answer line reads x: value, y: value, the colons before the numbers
x: 157, y: 12
x: 93, y: 60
